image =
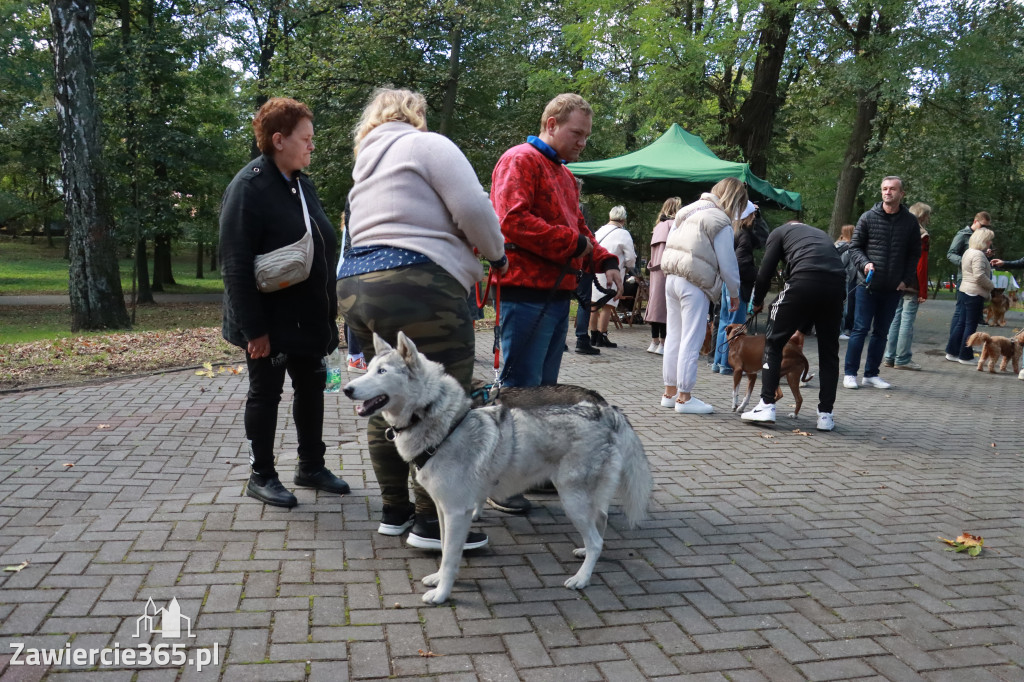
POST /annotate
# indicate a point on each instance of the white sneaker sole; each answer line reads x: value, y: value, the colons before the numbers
x: 435, y: 544
x: 387, y: 529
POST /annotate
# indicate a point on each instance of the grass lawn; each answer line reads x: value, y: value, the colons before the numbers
x: 21, y: 324
x: 27, y: 268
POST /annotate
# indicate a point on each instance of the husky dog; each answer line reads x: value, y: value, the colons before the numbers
x: 465, y: 455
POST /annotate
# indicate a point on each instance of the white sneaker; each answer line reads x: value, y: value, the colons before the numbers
x: 667, y: 401
x: 876, y: 382
x: 694, y: 406
x: 844, y: 337
x: 825, y: 421
x: 764, y: 412
x: 965, y: 362
x: 952, y: 358
x: 653, y: 348
x: 660, y: 350
x: 850, y: 381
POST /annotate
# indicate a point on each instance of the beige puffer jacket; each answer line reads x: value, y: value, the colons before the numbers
x: 690, y: 249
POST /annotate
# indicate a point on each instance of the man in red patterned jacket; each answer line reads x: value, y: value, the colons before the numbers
x: 547, y: 240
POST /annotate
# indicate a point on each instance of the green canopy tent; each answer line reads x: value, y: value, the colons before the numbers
x: 676, y: 164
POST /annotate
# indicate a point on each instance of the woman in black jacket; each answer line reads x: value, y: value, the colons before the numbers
x: 290, y: 330
x: 744, y: 243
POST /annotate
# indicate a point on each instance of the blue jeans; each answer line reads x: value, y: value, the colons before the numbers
x: 873, y: 313
x: 901, y: 331
x: 965, y: 320
x: 726, y: 318
x: 532, y: 344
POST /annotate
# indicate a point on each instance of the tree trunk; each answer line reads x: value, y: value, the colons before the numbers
x: 199, y: 259
x: 852, y: 173
x: 451, y: 88
x: 142, y: 272
x: 752, y: 128
x: 213, y: 256
x: 162, y: 262
x: 97, y: 301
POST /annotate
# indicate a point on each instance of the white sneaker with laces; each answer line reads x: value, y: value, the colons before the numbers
x: 653, y: 348
x: 825, y: 421
x: 850, y: 381
x: 764, y: 412
x: 876, y: 382
x: 694, y: 406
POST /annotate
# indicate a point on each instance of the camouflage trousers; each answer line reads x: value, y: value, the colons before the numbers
x: 431, y: 307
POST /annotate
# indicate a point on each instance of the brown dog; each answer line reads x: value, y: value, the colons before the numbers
x: 995, y: 311
x: 995, y: 346
x: 746, y: 353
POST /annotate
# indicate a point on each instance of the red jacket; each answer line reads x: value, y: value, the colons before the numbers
x: 922, y: 268
x: 537, y: 203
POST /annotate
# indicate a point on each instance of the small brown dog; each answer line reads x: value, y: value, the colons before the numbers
x: 746, y: 353
x: 995, y: 311
x: 995, y: 346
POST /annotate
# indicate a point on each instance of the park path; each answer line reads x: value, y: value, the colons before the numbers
x: 771, y: 553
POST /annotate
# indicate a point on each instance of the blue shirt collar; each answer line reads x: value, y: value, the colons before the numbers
x: 544, y: 148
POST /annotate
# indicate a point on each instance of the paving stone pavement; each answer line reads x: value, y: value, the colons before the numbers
x: 770, y: 554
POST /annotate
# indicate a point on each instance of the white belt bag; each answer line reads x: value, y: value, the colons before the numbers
x: 288, y: 265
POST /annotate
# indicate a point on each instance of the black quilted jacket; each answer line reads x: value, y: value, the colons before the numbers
x: 892, y: 243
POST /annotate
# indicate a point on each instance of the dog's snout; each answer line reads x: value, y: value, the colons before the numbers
x: 348, y: 391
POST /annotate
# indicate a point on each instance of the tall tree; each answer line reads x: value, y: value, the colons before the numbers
x: 97, y: 301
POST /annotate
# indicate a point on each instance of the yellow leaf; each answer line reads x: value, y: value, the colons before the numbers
x: 16, y: 569
x: 208, y: 366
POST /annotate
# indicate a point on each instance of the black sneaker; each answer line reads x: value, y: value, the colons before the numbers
x: 321, y: 480
x: 517, y: 504
x: 268, y: 490
x: 395, y: 519
x: 426, y: 534
x: 544, y: 488
x: 583, y: 347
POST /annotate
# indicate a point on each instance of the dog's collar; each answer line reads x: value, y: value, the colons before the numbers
x: 391, y: 433
x: 421, y: 459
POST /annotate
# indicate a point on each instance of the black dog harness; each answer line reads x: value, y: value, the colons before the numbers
x: 420, y: 461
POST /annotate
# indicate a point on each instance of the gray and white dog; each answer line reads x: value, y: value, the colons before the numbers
x: 465, y: 455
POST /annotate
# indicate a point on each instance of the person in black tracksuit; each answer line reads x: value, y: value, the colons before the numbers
x: 813, y: 295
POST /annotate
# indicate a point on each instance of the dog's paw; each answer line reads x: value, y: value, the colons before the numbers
x: 580, y: 552
x: 431, y: 580
x: 435, y: 596
x: 577, y: 582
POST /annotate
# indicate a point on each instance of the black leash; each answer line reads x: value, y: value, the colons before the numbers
x: 744, y: 328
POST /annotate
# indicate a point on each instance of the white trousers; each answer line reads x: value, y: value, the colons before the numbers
x: 686, y: 321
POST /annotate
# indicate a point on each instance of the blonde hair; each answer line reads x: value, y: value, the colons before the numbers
x: 732, y: 196
x: 617, y: 214
x: 670, y: 208
x: 846, y: 233
x: 561, y: 108
x: 981, y: 238
x: 388, y: 105
x: 920, y: 210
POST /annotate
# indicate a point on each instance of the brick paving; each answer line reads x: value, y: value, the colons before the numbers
x: 770, y: 554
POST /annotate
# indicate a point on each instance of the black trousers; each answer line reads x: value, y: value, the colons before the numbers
x: 266, y: 383
x: 802, y: 303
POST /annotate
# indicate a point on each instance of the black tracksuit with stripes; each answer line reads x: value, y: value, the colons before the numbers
x: 813, y: 295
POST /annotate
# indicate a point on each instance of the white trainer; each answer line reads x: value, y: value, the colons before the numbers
x: 653, y: 348
x: 825, y: 421
x: 850, y: 381
x: 965, y: 362
x: 694, y: 406
x: 876, y: 382
x: 764, y: 412
x: 952, y: 358
x: 668, y: 401
x: 660, y: 350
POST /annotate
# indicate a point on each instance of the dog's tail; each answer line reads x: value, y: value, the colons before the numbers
x: 976, y: 338
x: 636, y: 483
x: 806, y: 375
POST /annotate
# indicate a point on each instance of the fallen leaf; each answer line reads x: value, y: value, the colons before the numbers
x: 766, y: 435
x: 103, y: 426
x: 993, y: 444
x: 799, y: 432
x: 429, y: 654
x: 972, y: 544
x: 68, y: 465
x: 17, y: 569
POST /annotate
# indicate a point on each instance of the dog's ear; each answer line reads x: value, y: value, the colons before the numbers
x: 380, y: 345
x: 407, y: 350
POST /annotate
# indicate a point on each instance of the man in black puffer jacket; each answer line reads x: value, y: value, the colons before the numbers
x: 885, y: 248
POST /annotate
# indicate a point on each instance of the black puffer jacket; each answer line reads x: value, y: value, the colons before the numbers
x: 744, y: 243
x: 892, y: 242
x: 260, y: 212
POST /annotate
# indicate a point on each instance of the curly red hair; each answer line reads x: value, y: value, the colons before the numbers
x: 277, y: 115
